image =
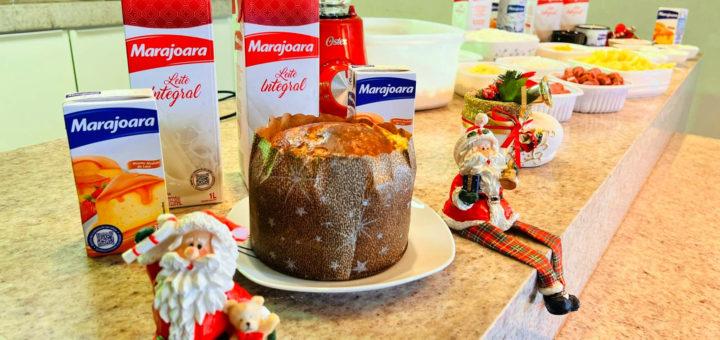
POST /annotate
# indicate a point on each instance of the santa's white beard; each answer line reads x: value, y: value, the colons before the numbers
x: 183, y: 297
x: 475, y: 162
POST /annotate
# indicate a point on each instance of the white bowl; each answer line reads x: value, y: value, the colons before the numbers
x: 648, y: 83
x: 563, y: 104
x: 637, y: 42
x: 493, y: 43
x: 540, y: 65
x: 599, y: 98
x: 430, y: 49
x: 692, y: 51
x: 468, y: 81
x: 546, y: 50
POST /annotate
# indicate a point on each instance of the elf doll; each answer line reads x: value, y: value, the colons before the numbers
x: 477, y: 211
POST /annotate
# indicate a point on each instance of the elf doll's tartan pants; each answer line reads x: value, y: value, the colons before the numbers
x: 496, y: 239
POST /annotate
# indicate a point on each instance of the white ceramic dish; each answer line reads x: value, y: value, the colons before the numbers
x: 468, y: 81
x: 492, y: 43
x: 430, y: 49
x: 431, y: 248
x: 563, y: 104
x: 547, y: 50
x: 540, y: 65
x: 600, y: 99
x: 643, y: 84
x: 636, y: 42
x: 658, y: 55
x: 548, y: 148
x: 692, y: 51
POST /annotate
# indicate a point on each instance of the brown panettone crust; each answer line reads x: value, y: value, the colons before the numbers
x: 330, y: 198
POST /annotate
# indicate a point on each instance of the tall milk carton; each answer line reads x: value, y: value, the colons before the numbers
x: 170, y: 50
x: 117, y: 162
x: 278, y: 63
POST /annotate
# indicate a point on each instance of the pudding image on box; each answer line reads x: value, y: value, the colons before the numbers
x: 383, y: 93
x: 670, y: 25
x: 278, y: 65
x: 170, y: 50
x: 117, y: 163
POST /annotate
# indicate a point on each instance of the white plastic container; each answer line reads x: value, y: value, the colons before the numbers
x: 493, y: 43
x: 469, y: 81
x: 430, y: 49
x: 563, y: 104
x: 598, y: 98
x: 540, y: 65
x: 578, y: 51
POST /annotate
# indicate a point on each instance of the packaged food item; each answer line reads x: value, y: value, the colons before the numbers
x: 332, y: 202
x: 511, y: 15
x: 278, y: 64
x: 494, y: 13
x: 530, y: 9
x: 670, y: 25
x: 572, y: 37
x: 117, y: 162
x: 574, y: 13
x: 597, y: 35
x: 547, y: 18
x: 170, y: 50
x: 382, y: 94
x: 472, y: 15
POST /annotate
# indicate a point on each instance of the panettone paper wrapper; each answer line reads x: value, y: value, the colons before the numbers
x: 334, y: 218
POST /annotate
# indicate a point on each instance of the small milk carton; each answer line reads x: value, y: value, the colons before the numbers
x: 381, y: 93
x: 670, y: 25
x: 117, y: 162
x: 278, y: 65
x: 170, y: 50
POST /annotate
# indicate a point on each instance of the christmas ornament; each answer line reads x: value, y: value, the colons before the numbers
x: 191, y: 262
x: 477, y: 211
x: 506, y: 103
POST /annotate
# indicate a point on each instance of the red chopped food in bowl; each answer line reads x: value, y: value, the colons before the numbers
x: 593, y: 76
x: 557, y: 88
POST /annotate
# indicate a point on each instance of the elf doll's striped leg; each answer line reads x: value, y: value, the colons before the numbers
x: 494, y: 238
x: 548, y: 239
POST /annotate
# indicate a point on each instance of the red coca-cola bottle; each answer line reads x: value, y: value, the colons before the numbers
x: 341, y: 45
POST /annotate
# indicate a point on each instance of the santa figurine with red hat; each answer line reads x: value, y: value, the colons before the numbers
x: 191, y: 262
x: 477, y: 210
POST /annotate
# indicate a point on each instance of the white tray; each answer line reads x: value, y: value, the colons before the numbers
x: 431, y: 248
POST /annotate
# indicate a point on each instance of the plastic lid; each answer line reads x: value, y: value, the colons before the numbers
x: 334, y: 8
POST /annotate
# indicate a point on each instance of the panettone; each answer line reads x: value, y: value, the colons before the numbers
x: 330, y: 198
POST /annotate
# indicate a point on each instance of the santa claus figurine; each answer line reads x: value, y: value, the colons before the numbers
x: 477, y: 211
x: 191, y: 262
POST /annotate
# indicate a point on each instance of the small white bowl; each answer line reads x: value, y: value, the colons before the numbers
x: 692, y: 51
x: 638, y: 42
x: 563, y: 104
x: 643, y: 84
x: 468, y: 81
x: 600, y: 98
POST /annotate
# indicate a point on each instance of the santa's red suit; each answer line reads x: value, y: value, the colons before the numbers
x: 214, y: 325
x: 477, y: 213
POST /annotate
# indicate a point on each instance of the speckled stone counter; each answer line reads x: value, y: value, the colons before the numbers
x: 48, y: 287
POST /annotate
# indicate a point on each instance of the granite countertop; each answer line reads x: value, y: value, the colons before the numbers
x: 48, y: 287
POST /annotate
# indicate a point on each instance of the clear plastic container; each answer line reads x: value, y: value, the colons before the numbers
x: 430, y: 49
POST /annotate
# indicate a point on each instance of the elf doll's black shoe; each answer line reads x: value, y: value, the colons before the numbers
x: 561, y: 303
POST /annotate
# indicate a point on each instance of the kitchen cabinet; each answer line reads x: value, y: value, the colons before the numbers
x: 36, y: 71
x: 99, y: 58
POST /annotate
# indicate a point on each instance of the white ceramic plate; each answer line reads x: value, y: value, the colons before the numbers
x: 431, y: 248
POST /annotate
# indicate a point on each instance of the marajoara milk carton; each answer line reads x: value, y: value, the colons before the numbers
x: 170, y: 50
x: 117, y: 164
x: 278, y: 65
x: 383, y: 93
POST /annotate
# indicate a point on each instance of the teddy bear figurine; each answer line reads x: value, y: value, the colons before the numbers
x: 252, y: 317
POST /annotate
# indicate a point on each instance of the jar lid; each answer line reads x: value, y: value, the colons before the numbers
x: 592, y: 27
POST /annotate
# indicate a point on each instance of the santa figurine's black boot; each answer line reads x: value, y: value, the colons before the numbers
x: 561, y: 303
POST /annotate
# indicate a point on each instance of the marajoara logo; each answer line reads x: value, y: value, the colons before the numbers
x: 155, y: 51
x: 270, y: 47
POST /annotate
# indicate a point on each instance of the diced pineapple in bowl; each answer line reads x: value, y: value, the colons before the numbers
x: 476, y: 75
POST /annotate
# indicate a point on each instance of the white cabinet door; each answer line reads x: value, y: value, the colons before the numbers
x: 36, y: 71
x: 100, y: 59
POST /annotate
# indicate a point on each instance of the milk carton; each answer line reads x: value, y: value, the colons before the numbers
x: 170, y: 50
x: 512, y: 15
x: 382, y: 94
x: 472, y: 15
x: 117, y: 164
x: 575, y: 13
x: 670, y: 25
x: 278, y: 63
